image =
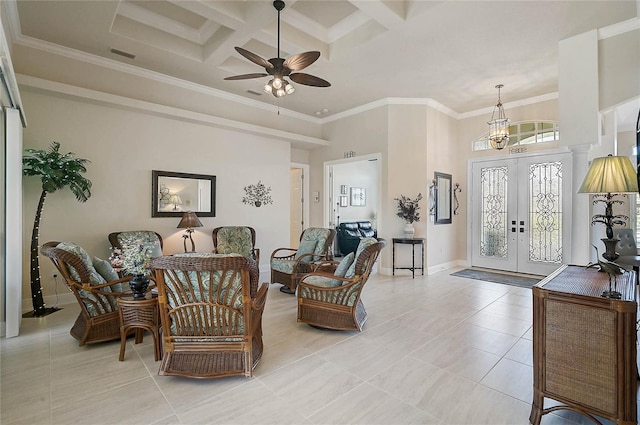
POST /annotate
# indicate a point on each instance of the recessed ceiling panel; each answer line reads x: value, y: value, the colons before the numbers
x: 171, y: 11
x: 326, y: 13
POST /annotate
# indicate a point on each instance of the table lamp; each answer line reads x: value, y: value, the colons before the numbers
x: 607, y: 178
x: 188, y: 221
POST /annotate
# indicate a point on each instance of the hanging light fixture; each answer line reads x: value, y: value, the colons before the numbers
x: 498, y: 125
x: 280, y: 68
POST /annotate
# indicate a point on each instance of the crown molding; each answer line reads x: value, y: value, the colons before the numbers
x: 154, y: 76
x: 94, y: 96
x: 619, y: 28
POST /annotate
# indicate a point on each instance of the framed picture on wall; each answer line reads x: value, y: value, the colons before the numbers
x: 343, y: 189
x: 358, y: 197
x: 344, y: 201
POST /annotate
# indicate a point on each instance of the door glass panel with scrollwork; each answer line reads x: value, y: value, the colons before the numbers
x: 545, y: 212
x: 494, y: 185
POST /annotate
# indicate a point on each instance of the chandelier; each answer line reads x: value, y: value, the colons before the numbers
x: 498, y: 125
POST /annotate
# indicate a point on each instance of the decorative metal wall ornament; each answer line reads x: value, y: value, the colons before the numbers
x: 456, y: 189
x: 432, y: 198
x: 257, y: 195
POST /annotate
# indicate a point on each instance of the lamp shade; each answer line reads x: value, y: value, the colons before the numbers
x: 189, y: 220
x: 610, y: 174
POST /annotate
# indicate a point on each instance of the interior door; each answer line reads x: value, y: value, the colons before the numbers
x: 519, y: 207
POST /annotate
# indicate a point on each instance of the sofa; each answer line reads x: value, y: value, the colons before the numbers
x: 350, y: 233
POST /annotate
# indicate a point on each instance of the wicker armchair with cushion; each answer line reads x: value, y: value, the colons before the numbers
x: 332, y: 300
x: 211, y: 312
x: 236, y: 240
x: 288, y: 265
x: 119, y: 239
x: 96, y: 287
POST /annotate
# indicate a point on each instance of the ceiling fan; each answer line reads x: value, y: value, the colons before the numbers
x: 280, y: 68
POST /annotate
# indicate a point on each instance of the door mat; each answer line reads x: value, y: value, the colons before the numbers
x: 507, y: 279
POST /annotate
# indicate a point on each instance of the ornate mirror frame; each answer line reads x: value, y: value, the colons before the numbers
x: 186, y: 192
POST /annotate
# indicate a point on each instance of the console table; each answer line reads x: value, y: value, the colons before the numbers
x: 413, y: 242
x: 584, y: 345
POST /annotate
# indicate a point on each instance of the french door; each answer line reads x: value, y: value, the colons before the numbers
x: 521, y: 209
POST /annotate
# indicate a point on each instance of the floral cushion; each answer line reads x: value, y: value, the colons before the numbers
x: 307, y: 246
x: 146, y: 237
x: 284, y: 266
x: 235, y: 239
x: 364, y: 242
x: 319, y: 234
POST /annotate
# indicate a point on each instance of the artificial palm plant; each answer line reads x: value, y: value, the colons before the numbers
x: 57, y: 171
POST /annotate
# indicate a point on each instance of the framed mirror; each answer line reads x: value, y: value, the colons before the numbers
x: 443, y: 198
x: 173, y: 194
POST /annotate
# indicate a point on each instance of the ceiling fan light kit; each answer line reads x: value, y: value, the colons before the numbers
x: 279, y: 68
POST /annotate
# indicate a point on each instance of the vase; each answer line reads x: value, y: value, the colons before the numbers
x: 409, y: 230
x: 139, y: 284
x: 257, y: 203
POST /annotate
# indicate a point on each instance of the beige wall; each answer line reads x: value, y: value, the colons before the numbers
x: 124, y: 147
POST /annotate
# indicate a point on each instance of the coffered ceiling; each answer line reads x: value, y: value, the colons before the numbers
x: 454, y: 52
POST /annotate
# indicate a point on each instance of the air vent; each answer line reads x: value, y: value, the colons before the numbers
x: 255, y: 93
x: 121, y: 53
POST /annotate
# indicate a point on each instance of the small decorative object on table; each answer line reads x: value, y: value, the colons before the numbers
x: 136, y: 259
x: 257, y: 194
x: 408, y: 211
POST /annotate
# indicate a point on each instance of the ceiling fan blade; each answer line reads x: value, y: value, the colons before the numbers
x: 254, y: 58
x: 309, y: 80
x: 301, y: 60
x: 246, y: 76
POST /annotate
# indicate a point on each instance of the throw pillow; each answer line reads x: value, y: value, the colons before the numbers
x: 307, y: 246
x: 342, y: 268
x: 104, y: 269
x: 364, y: 242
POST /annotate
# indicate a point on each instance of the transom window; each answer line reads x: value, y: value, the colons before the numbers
x: 524, y: 133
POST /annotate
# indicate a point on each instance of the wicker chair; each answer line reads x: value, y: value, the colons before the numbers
x: 236, y: 240
x: 288, y: 265
x: 330, y: 301
x: 211, y: 313
x: 98, y: 320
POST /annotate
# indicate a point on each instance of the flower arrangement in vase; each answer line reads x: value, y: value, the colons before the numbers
x: 136, y: 261
x: 408, y: 211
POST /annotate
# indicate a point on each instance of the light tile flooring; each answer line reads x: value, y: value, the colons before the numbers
x: 436, y: 349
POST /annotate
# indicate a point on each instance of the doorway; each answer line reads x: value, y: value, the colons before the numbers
x: 299, y: 209
x: 521, y: 209
x: 352, y: 190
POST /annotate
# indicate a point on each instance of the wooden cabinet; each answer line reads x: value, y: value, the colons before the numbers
x: 584, y: 345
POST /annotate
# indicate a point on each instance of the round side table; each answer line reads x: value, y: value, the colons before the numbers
x: 140, y: 315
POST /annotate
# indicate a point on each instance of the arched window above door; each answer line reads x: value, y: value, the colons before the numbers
x: 524, y: 133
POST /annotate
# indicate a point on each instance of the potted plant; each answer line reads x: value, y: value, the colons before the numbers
x: 56, y: 171
x: 408, y: 211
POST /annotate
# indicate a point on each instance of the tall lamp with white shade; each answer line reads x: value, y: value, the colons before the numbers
x: 607, y: 178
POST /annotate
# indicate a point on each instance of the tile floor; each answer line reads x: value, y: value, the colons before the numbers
x: 436, y: 349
